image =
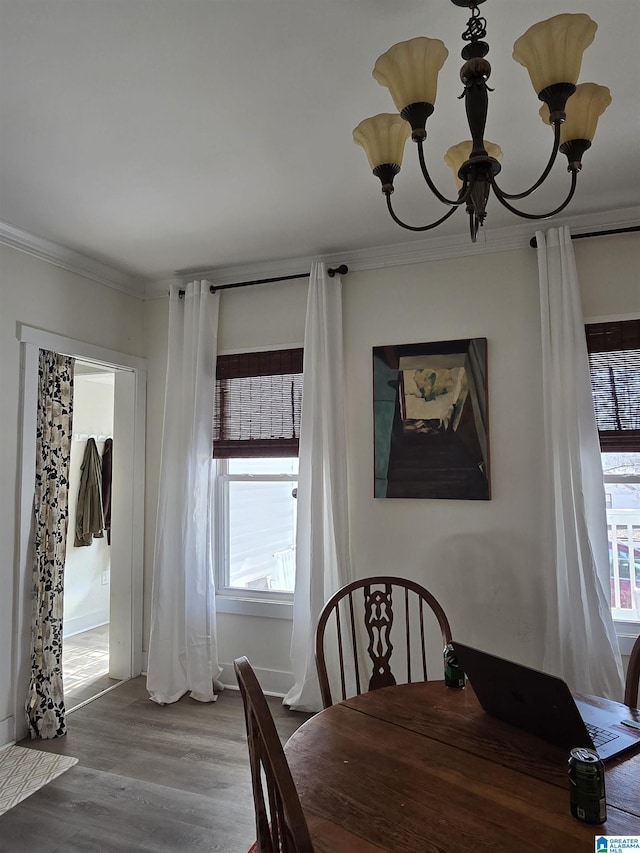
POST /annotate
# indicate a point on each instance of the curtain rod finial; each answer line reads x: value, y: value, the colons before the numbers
x: 343, y: 269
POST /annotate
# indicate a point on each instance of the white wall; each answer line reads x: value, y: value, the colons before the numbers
x: 609, y: 278
x: 480, y: 558
x: 47, y: 297
x: 86, y: 569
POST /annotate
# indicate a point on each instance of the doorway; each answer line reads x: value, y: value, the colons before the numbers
x: 126, y: 550
x: 87, y: 571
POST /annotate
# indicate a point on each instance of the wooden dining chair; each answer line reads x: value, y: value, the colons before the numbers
x: 633, y: 676
x: 373, y: 617
x: 281, y: 826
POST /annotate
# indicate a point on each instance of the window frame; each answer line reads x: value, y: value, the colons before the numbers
x: 234, y: 600
x: 616, y: 441
x: 222, y: 563
x: 628, y: 626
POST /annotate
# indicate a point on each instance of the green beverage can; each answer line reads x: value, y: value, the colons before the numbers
x: 586, y: 786
x: 453, y: 673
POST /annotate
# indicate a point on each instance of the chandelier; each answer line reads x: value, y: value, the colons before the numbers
x: 551, y: 51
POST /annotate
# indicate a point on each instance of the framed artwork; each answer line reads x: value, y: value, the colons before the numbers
x: 430, y: 420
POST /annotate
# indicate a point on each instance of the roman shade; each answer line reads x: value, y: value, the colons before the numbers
x: 258, y: 401
x: 614, y: 365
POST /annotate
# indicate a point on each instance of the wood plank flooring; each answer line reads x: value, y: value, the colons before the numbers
x: 149, y: 778
x: 85, y: 666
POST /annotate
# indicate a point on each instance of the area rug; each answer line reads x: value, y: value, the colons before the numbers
x: 24, y: 771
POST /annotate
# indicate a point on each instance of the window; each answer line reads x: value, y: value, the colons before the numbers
x: 257, y: 525
x: 614, y: 363
x: 258, y: 403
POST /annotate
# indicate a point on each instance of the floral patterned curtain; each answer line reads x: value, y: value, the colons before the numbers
x: 45, y: 703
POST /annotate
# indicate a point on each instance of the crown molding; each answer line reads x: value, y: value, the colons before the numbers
x: 401, y: 254
x: 70, y: 260
x: 377, y: 257
x: 490, y: 242
x: 159, y: 288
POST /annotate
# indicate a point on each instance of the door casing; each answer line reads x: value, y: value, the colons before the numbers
x: 127, y: 548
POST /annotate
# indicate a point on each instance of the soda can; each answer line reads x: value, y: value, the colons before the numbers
x: 587, y: 796
x: 453, y: 674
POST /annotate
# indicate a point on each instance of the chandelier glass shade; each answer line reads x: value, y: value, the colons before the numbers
x: 584, y: 108
x: 551, y: 51
x: 460, y: 153
x: 410, y: 70
x: 383, y: 138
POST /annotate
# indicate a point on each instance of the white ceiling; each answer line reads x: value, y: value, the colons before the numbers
x: 164, y: 135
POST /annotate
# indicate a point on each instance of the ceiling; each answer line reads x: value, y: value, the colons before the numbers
x: 158, y: 136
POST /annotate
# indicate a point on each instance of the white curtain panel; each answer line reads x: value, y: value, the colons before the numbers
x: 183, y: 647
x: 322, y: 536
x: 581, y: 644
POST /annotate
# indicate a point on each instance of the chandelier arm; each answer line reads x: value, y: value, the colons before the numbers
x: 421, y: 227
x: 543, y: 176
x: 464, y: 193
x: 501, y: 198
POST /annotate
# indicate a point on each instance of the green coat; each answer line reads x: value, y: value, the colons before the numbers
x: 89, y: 517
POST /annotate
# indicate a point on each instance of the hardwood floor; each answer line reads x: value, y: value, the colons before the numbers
x: 172, y: 778
x: 85, y: 666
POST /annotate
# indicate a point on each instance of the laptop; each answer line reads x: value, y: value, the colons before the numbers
x: 543, y: 705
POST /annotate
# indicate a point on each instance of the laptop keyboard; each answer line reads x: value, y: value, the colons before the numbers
x: 600, y: 736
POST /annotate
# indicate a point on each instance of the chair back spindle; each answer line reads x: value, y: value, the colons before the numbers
x: 376, y: 629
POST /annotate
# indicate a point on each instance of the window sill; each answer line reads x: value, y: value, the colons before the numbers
x: 627, y: 633
x: 254, y: 607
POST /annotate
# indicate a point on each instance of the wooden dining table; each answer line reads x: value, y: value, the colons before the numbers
x: 421, y: 767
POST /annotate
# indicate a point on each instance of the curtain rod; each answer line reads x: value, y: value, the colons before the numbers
x: 343, y: 269
x: 534, y: 243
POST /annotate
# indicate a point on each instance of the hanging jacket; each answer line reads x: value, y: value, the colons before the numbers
x: 106, y: 486
x: 89, y: 516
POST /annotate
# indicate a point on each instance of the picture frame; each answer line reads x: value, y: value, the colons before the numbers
x: 431, y: 420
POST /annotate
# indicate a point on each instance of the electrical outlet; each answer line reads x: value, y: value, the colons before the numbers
x: 105, y: 577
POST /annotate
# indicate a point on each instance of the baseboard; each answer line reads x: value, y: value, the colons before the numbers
x: 273, y: 681
x: 79, y: 624
x: 7, y: 732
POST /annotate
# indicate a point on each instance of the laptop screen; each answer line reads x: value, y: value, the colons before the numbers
x: 543, y: 705
x: 527, y: 698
